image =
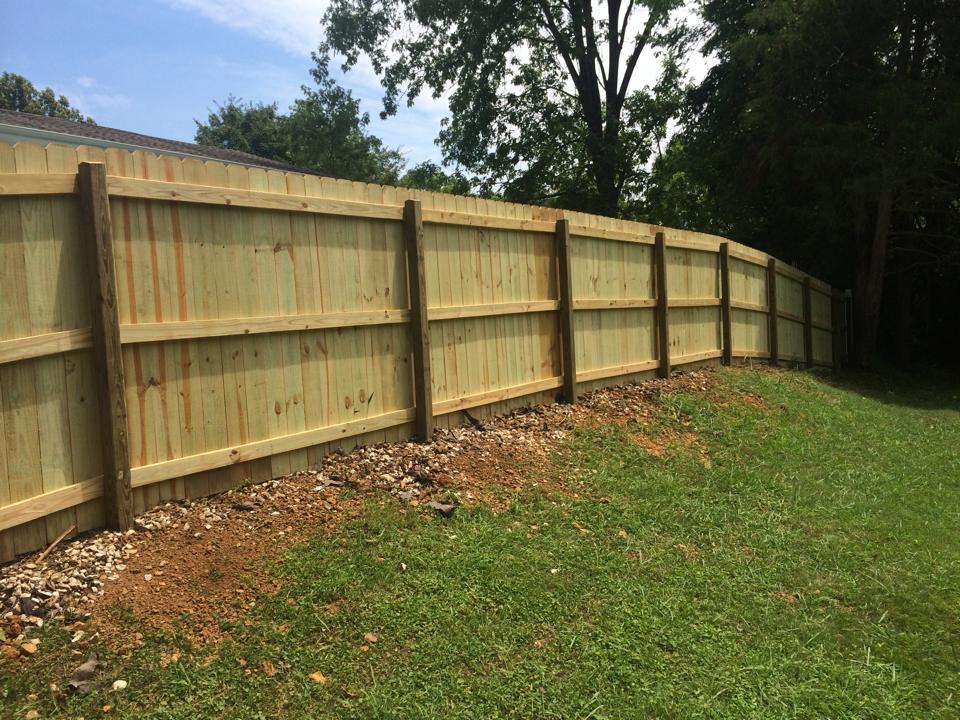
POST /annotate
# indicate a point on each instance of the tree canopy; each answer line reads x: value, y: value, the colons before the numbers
x: 19, y: 94
x: 323, y: 131
x: 829, y: 134
x: 543, y: 94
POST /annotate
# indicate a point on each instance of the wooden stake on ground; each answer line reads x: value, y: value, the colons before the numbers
x: 51, y: 546
x: 725, y: 321
x: 117, y: 494
x: 807, y: 323
x: 663, y: 332
x: 772, y: 310
x: 565, y: 286
x: 419, y: 326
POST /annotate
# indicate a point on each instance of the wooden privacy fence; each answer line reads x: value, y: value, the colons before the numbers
x: 173, y: 327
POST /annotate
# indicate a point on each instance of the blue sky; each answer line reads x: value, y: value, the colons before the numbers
x: 153, y: 66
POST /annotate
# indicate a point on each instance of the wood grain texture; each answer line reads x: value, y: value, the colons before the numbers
x: 663, y: 331
x: 725, y: 318
x: 193, y: 329
x: 772, y: 314
x: 38, y: 184
x: 118, y: 505
x: 36, y: 346
x: 419, y: 325
x: 567, y: 337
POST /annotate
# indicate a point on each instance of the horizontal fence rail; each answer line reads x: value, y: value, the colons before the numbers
x: 173, y: 327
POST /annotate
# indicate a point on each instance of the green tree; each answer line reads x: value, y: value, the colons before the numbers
x: 542, y: 93
x: 829, y: 134
x: 323, y: 131
x: 328, y: 133
x: 19, y: 94
x: 253, y: 128
x: 430, y: 176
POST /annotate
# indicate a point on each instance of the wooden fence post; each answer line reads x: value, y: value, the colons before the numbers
x: 419, y: 324
x: 807, y: 323
x: 772, y: 310
x: 565, y: 288
x: 837, y: 320
x: 663, y: 331
x: 725, y: 322
x: 117, y: 492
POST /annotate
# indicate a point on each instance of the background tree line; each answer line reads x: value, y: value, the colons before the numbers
x: 825, y: 132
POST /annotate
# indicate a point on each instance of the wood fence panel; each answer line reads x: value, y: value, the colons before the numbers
x: 48, y: 408
x: 748, y: 288
x: 820, y: 306
x: 693, y: 275
x: 610, y: 337
x: 790, y: 318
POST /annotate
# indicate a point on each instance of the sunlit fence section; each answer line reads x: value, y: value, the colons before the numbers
x: 171, y: 328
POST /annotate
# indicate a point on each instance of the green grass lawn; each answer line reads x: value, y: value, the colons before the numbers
x: 802, y: 559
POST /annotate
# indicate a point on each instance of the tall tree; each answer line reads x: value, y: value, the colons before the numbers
x: 430, y: 176
x: 828, y: 133
x: 543, y: 94
x: 254, y: 128
x: 19, y: 94
x: 324, y: 131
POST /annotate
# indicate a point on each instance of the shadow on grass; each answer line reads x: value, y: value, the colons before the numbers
x: 925, y: 388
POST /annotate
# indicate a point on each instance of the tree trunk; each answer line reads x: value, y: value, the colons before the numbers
x: 868, y: 289
x: 604, y: 161
x: 904, y: 328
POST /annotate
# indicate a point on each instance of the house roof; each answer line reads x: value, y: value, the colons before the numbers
x: 15, y: 126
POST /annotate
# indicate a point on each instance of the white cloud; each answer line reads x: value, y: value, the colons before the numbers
x: 292, y: 24
x: 91, y: 97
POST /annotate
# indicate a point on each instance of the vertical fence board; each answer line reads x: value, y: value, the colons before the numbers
x: 419, y: 326
x: 564, y: 284
x: 773, y: 336
x: 725, y: 319
x: 118, y: 509
x: 663, y: 331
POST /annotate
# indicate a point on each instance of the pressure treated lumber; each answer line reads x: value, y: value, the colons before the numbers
x: 40, y: 506
x: 157, y: 472
x: 463, y: 312
x: 693, y: 302
x: 118, y: 503
x: 419, y: 325
x: 772, y: 310
x: 453, y: 217
x: 26, y: 348
x: 726, y: 326
x: 663, y: 332
x: 130, y: 187
x: 565, y: 286
x: 38, y: 184
x: 617, y: 370
x: 613, y: 303
x: 466, y: 402
x: 191, y: 329
x: 752, y: 307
